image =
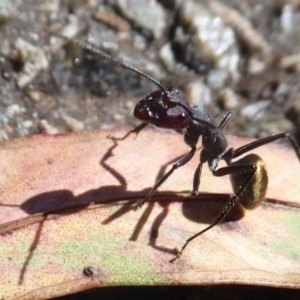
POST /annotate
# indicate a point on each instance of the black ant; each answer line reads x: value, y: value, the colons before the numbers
x: 169, y: 108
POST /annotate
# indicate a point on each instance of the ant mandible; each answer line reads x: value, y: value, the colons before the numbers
x: 169, y: 108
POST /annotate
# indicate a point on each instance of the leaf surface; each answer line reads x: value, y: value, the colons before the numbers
x: 101, y: 241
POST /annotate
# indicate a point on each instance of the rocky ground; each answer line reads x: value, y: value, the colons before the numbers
x: 239, y: 56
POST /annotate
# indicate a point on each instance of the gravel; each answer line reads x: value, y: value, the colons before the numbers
x: 241, y: 56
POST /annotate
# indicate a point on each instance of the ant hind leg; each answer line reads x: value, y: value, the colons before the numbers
x: 231, y: 169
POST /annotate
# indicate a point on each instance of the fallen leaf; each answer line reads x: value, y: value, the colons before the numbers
x: 101, y: 241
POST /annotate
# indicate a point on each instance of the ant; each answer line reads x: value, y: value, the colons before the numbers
x: 169, y: 108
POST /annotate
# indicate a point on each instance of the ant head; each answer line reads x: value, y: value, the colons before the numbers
x: 160, y: 108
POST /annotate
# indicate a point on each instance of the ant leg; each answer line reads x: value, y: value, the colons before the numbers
x: 135, y: 130
x: 264, y: 141
x: 197, y: 175
x: 225, y: 120
x: 196, y: 181
x: 92, y: 49
x: 175, y: 166
x: 251, y: 169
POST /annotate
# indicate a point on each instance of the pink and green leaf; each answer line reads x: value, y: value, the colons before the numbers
x: 101, y: 241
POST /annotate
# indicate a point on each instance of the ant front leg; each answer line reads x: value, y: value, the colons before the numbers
x: 204, y: 156
x: 175, y: 166
x: 135, y: 130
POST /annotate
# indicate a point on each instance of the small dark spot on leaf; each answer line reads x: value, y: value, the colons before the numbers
x: 90, y: 271
x: 50, y: 161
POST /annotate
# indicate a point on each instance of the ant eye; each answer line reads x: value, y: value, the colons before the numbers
x: 182, y: 116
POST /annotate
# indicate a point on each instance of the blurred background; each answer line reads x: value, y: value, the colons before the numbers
x: 235, y: 55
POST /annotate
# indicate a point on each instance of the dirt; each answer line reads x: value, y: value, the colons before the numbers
x: 94, y: 93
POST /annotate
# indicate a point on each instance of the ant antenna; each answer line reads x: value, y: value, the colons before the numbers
x: 89, y: 47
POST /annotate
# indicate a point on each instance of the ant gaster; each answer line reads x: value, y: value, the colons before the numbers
x: 169, y: 108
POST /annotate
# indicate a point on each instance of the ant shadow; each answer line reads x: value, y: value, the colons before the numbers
x: 204, y: 211
x: 63, y: 201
